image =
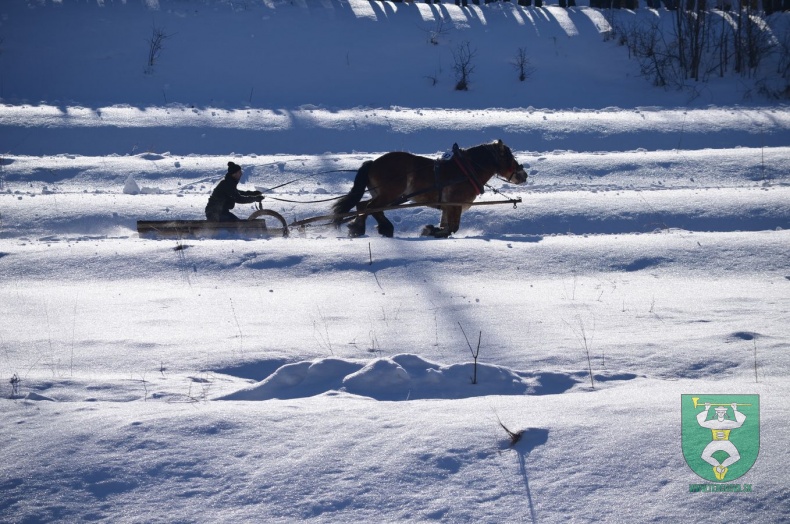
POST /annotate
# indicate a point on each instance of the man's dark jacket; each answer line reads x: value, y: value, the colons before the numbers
x: 225, y: 196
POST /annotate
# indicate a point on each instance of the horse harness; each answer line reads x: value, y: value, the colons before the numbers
x: 465, y: 166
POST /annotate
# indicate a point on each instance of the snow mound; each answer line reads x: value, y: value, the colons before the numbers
x: 131, y: 187
x: 38, y: 397
x: 405, y: 377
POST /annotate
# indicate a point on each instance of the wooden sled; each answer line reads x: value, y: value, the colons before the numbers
x: 250, y: 228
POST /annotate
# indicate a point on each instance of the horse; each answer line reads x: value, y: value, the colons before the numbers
x: 449, y: 185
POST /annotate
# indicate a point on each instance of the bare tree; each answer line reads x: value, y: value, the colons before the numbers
x: 462, y: 66
x: 437, y: 30
x: 475, y: 353
x: 657, y: 57
x: 156, y: 45
x: 783, y: 64
x: 697, y: 46
x: 523, y: 64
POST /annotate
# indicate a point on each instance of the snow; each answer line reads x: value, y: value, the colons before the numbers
x: 329, y: 379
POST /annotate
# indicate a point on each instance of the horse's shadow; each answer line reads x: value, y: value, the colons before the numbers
x: 507, y: 237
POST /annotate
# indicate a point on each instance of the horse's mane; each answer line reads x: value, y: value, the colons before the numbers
x: 494, y: 148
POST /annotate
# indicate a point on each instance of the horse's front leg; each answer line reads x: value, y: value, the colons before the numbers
x: 449, y: 224
x: 451, y: 218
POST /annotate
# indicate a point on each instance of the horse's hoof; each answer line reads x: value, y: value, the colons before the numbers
x: 428, y: 231
x: 355, y: 231
x: 435, y: 232
x: 386, y: 231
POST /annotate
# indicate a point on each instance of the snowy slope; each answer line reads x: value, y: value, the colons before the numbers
x: 329, y: 379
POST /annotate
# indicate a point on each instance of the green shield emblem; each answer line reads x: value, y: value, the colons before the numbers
x: 720, y: 434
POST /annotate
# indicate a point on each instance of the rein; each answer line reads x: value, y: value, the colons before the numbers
x: 305, y: 201
x: 466, y: 166
x: 309, y: 176
x: 302, y: 178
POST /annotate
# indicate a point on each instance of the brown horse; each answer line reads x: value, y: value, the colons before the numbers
x: 398, y: 177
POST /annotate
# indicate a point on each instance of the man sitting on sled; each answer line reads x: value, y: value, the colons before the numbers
x: 226, y: 195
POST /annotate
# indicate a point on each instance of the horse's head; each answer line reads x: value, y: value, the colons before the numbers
x: 509, y: 170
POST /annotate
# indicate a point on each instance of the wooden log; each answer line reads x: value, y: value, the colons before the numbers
x: 205, y: 229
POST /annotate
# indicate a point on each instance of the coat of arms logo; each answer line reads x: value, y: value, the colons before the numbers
x: 720, y: 434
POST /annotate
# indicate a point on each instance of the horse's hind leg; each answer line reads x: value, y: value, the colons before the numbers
x: 356, y: 228
x: 385, y: 227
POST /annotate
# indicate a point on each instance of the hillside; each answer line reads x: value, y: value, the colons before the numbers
x: 326, y: 379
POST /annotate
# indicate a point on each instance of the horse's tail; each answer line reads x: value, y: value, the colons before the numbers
x: 353, y: 197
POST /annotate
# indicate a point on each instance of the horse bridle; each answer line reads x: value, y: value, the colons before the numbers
x: 498, y: 161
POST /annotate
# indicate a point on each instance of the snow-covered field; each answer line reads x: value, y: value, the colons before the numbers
x: 323, y: 378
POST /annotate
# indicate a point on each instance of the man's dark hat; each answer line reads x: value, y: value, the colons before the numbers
x: 232, y: 168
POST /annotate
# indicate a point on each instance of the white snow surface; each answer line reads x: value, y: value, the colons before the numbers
x: 326, y: 379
